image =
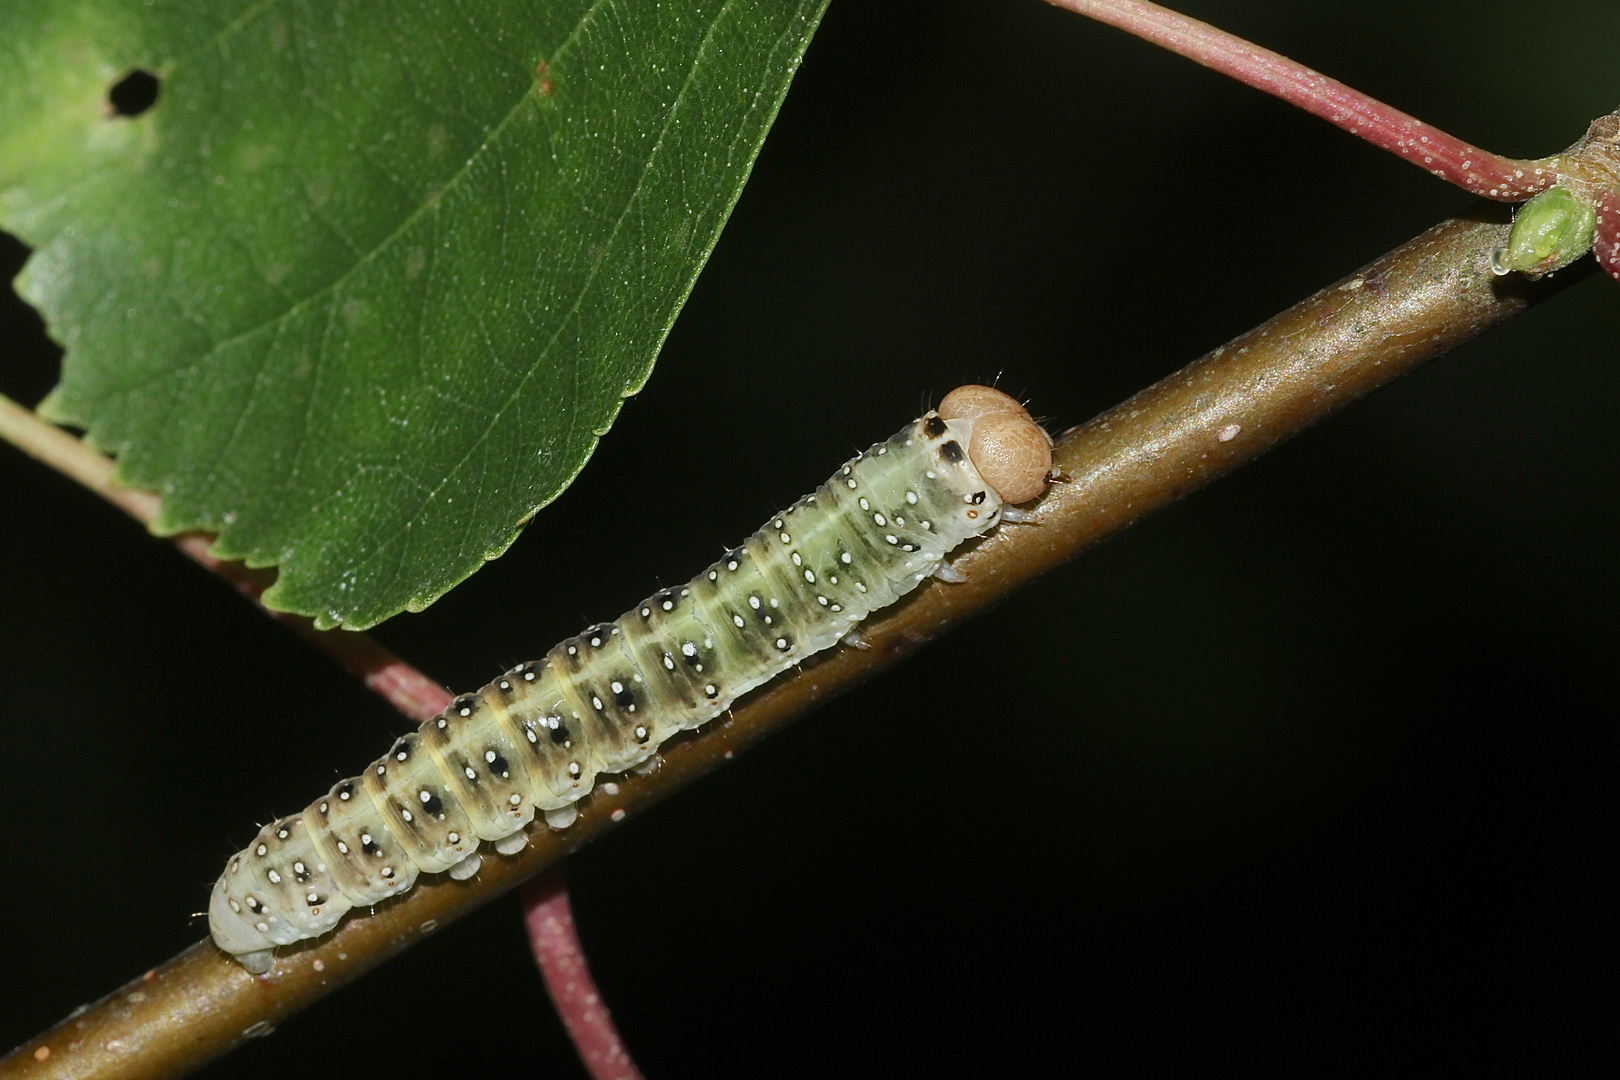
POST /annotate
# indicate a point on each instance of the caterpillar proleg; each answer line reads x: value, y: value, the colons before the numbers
x: 535, y: 739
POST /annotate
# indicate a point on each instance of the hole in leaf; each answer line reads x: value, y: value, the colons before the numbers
x: 134, y: 93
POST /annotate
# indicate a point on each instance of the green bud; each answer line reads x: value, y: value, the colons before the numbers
x: 1551, y: 231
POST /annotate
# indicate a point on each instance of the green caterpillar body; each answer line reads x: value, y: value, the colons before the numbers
x: 535, y: 739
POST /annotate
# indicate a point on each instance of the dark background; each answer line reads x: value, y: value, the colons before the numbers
x: 1313, y: 770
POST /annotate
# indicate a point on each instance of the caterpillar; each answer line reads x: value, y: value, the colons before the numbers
x: 535, y: 739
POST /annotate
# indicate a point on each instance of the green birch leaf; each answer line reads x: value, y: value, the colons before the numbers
x: 364, y: 286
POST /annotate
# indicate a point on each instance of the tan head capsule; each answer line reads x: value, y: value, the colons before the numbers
x: 1010, y: 450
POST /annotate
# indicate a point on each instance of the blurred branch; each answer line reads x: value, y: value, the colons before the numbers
x: 1213, y: 416
x: 400, y: 684
x: 1478, y: 171
x: 549, y: 920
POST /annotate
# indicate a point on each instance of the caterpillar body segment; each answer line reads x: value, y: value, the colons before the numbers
x: 534, y: 740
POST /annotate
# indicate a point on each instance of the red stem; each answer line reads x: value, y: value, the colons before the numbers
x: 1470, y: 168
x: 392, y: 679
x: 397, y: 682
x: 556, y: 946
x: 550, y: 922
x: 1607, y: 244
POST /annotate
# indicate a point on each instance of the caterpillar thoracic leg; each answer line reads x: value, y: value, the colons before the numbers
x: 534, y: 740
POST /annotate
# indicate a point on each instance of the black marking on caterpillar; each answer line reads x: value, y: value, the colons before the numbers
x: 535, y: 739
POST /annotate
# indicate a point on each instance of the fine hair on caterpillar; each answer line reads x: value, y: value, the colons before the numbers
x: 534, y: 740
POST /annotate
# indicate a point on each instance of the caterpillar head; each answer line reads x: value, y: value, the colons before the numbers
x: 1008, y: 448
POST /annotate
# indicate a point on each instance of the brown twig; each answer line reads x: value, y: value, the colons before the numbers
x: 550, y: 922
x: 1213, y: 416
x: 1481, y: 172
x: 400, y: 684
